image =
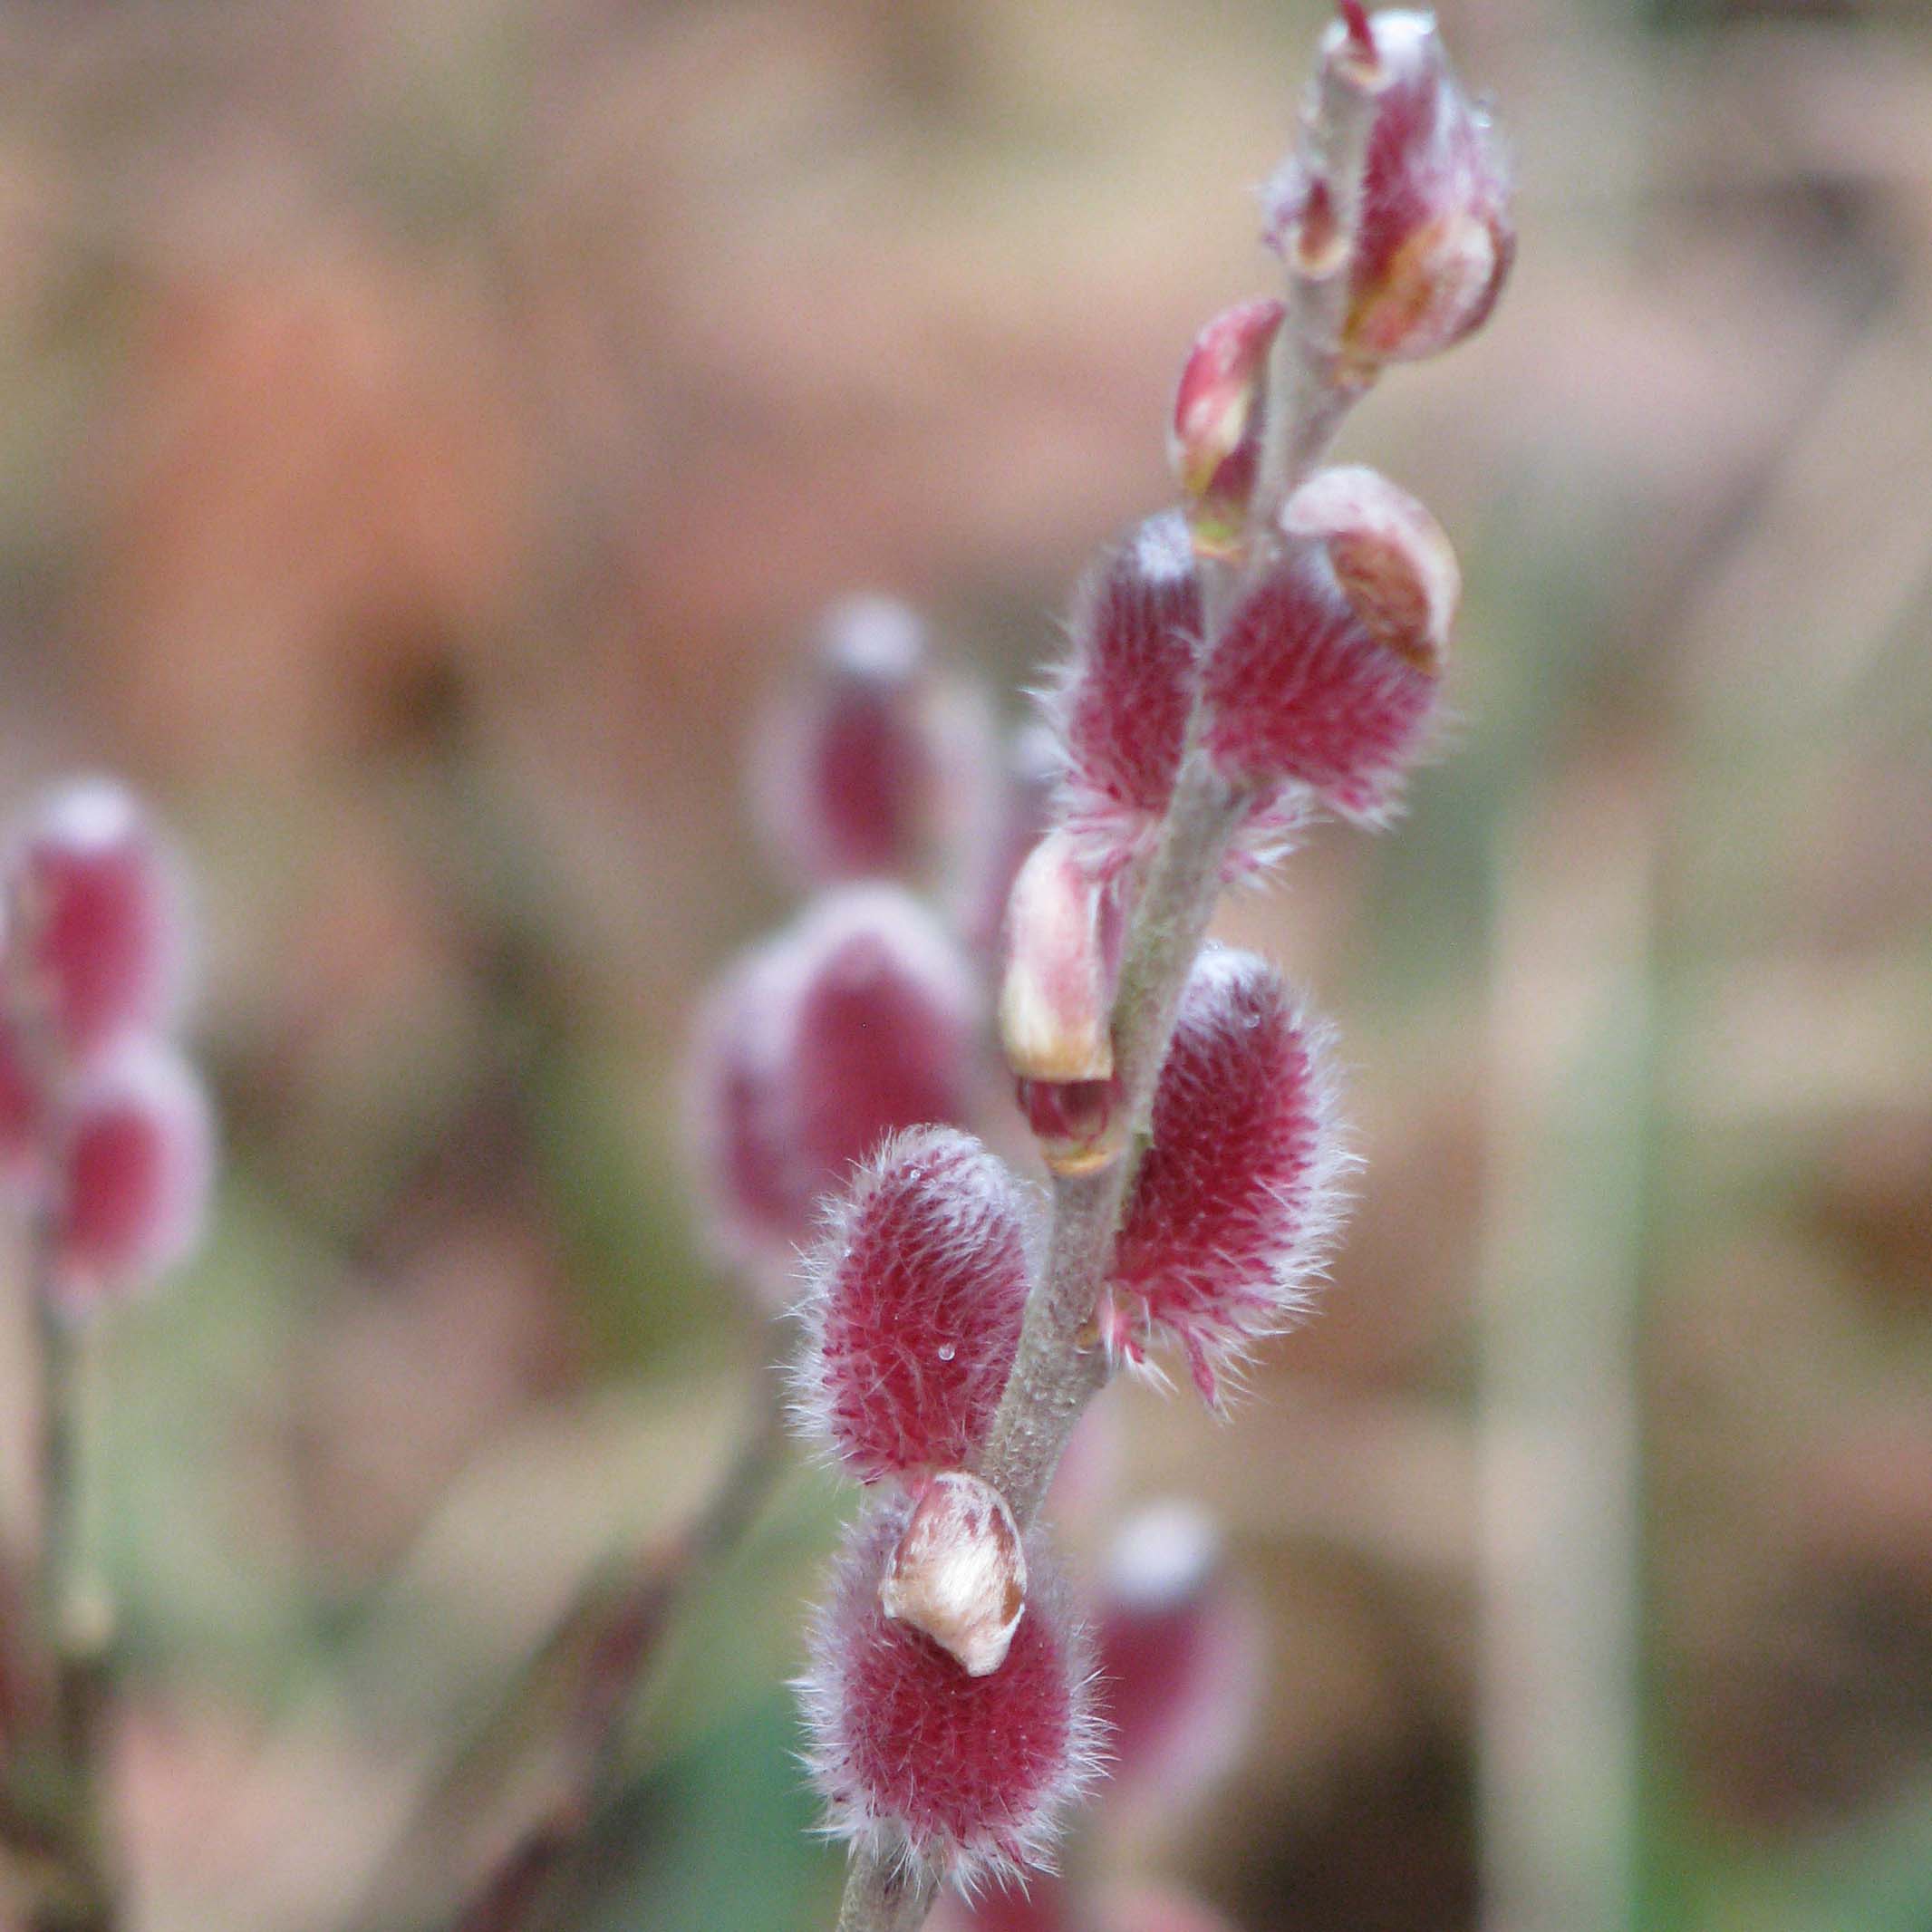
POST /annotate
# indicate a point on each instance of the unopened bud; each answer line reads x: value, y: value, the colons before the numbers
x: 1215, y: 444
x: 135, y: 1164
x: 1055, y: 1001
x: 94, y: 943
x: 911, y: 1753
x: 1328, y: 672
x: 959, y: 1573
x: 1435, y: 239
x: 1390, y: 556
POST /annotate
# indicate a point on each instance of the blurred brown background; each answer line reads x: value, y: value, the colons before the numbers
x: 427, y: 431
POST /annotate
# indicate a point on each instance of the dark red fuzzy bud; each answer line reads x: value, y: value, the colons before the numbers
x: 1329, y: 670
x: 1121, y: 710
x: 909, y: 1752
x: 94, y: 938
x: 859, y: 1020
x: 1435, y: 238
x: 134, y: 1170
x: 1179, y: 1660
x: 917, y: 1291
x: 1214, y: 446
x: 1235, y: 1198
x: 863, y: 765
x: 1048, y: 1905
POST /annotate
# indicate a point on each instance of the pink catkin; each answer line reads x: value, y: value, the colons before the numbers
x: 94, y: 932
x: 1121, y: 710
x: 911, y: 1754
x: 1235, y: 1198
x: 917, y: 1292
x: 134, y: 1167
x: 1300, y: 689
x: 858, y: 1020
x: 1432, y: 158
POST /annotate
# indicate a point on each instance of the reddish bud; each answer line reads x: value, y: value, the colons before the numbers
x: 1329, y: 670
x: 1215, y: 444
x: 94, y: 935
x: 917, y: 1291
x: 1435, y: 238
x: 958, y: 1572
x: 1055, y: 999
x: 863, y: 764
x: 1078, y: 1126
x: 912, y: 1753
x: 1122, y: 707
x: 134, y: 1167
x: 1178, y: 1657
x: 1235, y: 1198
x: 859, y: 1020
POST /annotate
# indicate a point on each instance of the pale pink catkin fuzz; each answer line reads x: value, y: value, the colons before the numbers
x: 917, y: 1290
x: 1236, y: 1198
x: 1120, y: 708
x: 913, y: 1756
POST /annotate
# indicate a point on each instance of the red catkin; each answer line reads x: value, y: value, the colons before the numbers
x: 917, y: 1290
x: 135, y: 1163
x: 909, y: 1752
